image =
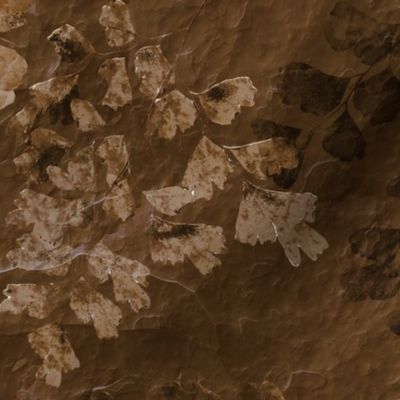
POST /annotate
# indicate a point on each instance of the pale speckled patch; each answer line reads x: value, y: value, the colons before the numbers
x: 55, y: 89
x: 115, y: 156
x: 69, y: 43
x: 171, y: 113
x: 46, y: 217
x: 208, y: 165
x: 51, y: 344
x: 266, y: 157
x: 89, y: 305
x: 12, y: 14
x: 37, y: 300
x: 80, y: 172
x: 128, y: 276
x: 223, y: 101
x: 47, y: 148
x: 119, y: 91
x: 267, y: 215
x: 85, y: 115
x: 154, y: 70
x: 171, y: 243
x: 169, y: 200
x: 117, y: 23
x: 119, y: 201
x: 13, y: 68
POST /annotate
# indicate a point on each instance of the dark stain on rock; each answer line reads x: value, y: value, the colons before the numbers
x: 67, y: 49
x: 344, y: 141
x: 393, y: 187
x: 50, y: 156
x: 287, y: 177
x: 310, y: 89
x: 371, y: 41
x: 62, y: 111
x: 266, y: 129
x: 379, y: 278
x: 378, y: 98
x: 216, y: 93
x: 162, y: 231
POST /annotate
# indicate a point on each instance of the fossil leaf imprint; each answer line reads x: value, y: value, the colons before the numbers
x: 69, y: 43
x: 85, y: 115
x: 153, y: 70
x: 171, y: 113
x: 47, y: 148
x: 222, y: 101
x: 37, y: 300
x: 80, y: 172
x: 129, y: 276
x: 89, y: 305
x: 267, y: 215
x: 50, y: 343
x: 371, y: 41
x: 267, y: 157
x: 169, y: 200
x: 117, y: 23
x: 208, y: 165
x: 310, y: 89
x: 115, y: 156
x: 12, y: 14
x: 119, y: 91
x: 119, y: 202
x: 172, y: 242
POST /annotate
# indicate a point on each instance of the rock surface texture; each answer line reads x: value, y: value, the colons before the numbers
x: 200, y: 199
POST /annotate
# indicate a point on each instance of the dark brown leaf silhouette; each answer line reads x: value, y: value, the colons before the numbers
x: 310, y: 89
x: 378, y: 97
x: 370, y: 40
x: 344, y: 140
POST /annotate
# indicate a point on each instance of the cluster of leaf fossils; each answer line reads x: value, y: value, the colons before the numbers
x: 94, y: 179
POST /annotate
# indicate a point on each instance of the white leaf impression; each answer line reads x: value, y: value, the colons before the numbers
x: 171, y: 113
x: 69, y: 43
x: 171, y: 242
x: 85, y: 115
x: 89, y: 305
x: 128, y: 276
x: 267, y: 215
x: 222, y: 101
x: 117, y: 23
x: 80, y: 172
x: 119, y: 201
x: 207, y: 166
x: 50, y: 343
x: 13, y: 68
x: 153, y: 70
x: 119, y: 91
x: 270, y: 155
x: 37, y: 300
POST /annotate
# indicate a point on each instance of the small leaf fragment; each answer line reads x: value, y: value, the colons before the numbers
x: 267, y: 157
x: 169, y: 200
x: 129, y: 276
x: 117, y: 23
x: 119, y: 91
x: 38, y: 300
x: 222, y: 101
x: 12, y: 14
x: 89, y: 305
x: 85, y: 115
x: 154, y: 70
x: 119, y: 201
x: 267, y: 215
x: 115, y: 156
x: 69, y: 43
x: 171, y: 243
x: 208, y: 165
x: 6, y: 98
x: 51, y: 344
x: 171, y: 113
x: 13, y: 68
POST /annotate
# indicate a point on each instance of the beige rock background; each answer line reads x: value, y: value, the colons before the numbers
x: 255, y: 317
